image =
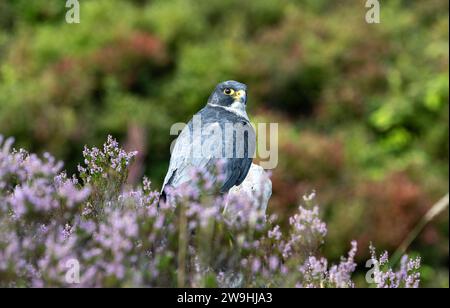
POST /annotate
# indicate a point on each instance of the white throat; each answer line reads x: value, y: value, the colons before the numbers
x: 236, y: 107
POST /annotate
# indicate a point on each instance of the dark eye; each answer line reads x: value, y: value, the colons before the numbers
x: 228, y: 91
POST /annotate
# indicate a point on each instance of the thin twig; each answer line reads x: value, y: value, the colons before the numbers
x: 435, y: 210
x: 182, y: 248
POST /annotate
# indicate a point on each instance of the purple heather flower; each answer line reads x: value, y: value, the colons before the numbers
x: 273, y: 262
x: 256, y: 265
x: 275, y: 233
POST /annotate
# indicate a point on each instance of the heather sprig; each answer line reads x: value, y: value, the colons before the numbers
x: 105, y: 170
x: 407, y: 276
x: 35, y: 189
x: 37, y: 204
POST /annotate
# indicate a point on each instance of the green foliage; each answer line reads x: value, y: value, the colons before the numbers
x: 361, y: 105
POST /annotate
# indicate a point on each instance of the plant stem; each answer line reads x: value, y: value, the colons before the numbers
x: 435, y: 210
x: 182, y: 248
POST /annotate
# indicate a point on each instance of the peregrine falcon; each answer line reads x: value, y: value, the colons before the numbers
x: 220, y: 133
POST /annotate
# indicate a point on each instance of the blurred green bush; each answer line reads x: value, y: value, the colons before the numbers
x: 363, y: 108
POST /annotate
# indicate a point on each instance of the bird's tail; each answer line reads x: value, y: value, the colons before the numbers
x: 162, y: 198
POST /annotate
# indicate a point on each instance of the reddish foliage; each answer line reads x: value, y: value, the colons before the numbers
x: 136, y: 49
x: 395, y: 205
x: 312, y: 161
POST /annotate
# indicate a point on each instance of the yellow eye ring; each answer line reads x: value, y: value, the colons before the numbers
x: 228, y: 91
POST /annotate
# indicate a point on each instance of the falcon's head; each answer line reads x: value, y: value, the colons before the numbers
x: 229, y: 94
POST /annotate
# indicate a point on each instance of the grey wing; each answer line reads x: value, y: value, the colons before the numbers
x: 237, y: 167
x: 185, y: 156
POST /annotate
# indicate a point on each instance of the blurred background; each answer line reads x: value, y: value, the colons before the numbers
x: 362, y: 108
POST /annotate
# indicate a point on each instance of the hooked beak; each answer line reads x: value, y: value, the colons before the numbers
x: 240, y: 96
